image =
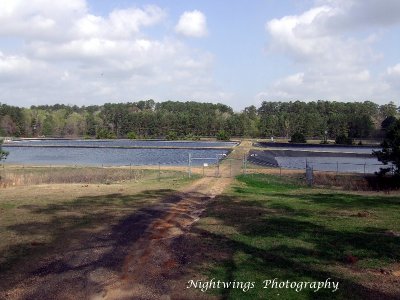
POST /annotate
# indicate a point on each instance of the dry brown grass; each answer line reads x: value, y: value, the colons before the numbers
x: 19, y: 176
x: 357, y: 182
x: 348, y: 182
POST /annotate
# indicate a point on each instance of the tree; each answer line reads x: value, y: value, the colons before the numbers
x: 390, y: 152
x: 388, y: 122
x: 131, y: 135
x: 8, y: 125
x: 48, y: 125
x: 171, y: 136
x: 105, y: 134
x: 388, y: 110
x: 222, y: 135
x: 90, y: 125
x: 299, y: 138
x: 343, y: 139
x: 3, y: 154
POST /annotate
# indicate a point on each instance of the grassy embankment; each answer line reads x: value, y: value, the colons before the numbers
x: 269, y: 227
x: 35, y: 217
x: 17, y: 175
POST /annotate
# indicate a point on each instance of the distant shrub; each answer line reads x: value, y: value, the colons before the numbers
x: 105, y: 134
x: 192, y: 137
x: 222, y: 135
x: 171, y: 136
x: 298, y: 138
x: 342, y: 139
x: 132, y: 135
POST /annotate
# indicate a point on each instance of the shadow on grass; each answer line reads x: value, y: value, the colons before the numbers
x: 73, y: 248
x: 329, y: 245
x: 279, y: 245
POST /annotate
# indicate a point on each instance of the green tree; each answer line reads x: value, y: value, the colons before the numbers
x: 388, y: 110
x: 388, y: 122
x: 48, y: 125
x: 298, y: 138
x: 132, y: 135
x: 105, y: 134
x: 222, y: 135
x: 343, y: 139
x: 171, y: 136
x: 90, y: 124
x: 390, y: 152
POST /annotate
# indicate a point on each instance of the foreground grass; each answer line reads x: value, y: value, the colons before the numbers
x: 267, y: 227
x: 34, y: 218
x: 17, y: 175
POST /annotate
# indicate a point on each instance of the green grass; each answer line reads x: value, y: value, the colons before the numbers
x: 270, y: 227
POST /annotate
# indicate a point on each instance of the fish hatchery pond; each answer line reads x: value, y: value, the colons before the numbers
x: 113, y: 152
x: 122, y: 152
x: 331, y: 158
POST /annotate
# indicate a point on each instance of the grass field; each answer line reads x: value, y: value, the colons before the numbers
x: 34, y: 218
x: 264, y: 227
x: 269, y: 227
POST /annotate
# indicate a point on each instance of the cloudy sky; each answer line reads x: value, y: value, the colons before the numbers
x: 236, y: 52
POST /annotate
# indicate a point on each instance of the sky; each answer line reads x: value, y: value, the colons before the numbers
x: 239, y: 52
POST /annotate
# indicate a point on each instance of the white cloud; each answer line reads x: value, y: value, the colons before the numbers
x: 10, y: 65
x: 356, y: 14
x: 394, y: 71
x: 192, y: 24
x: 332, y: 60
x: 392, y: 76
x: 120, y: 24
x: 71, y: 55
x: 39, y: 18
x: 303, y: 39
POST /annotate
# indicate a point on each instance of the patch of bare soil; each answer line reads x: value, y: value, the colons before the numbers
x: 134, y: 259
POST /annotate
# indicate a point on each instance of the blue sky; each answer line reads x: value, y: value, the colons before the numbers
x: 236, y: 52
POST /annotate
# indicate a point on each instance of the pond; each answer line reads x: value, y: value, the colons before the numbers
x: 333, y: 164
x: 344, y: 162
x: 79, y: 155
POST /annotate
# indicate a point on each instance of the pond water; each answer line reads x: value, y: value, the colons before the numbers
x: 366, y: 150
x: 334, y: 164
x: 112, y: 156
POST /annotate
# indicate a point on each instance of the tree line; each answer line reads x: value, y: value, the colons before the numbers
x: 180, y: 120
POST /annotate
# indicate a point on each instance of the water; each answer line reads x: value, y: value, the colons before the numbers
x: 113, y: 156
x: 334, y: 164
x: 364, y: 150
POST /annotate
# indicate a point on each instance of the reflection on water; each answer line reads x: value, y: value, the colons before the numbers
x: 335, y: 164
x: 113, y: 156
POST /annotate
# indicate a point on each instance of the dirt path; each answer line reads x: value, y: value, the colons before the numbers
x: 150, y: 269
x: 135, y: 259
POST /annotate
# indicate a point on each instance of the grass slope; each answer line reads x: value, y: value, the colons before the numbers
x: 269, y: 227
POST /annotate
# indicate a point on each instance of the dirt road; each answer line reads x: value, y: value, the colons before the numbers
x: 151, y: 268
x: 134, y: 259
